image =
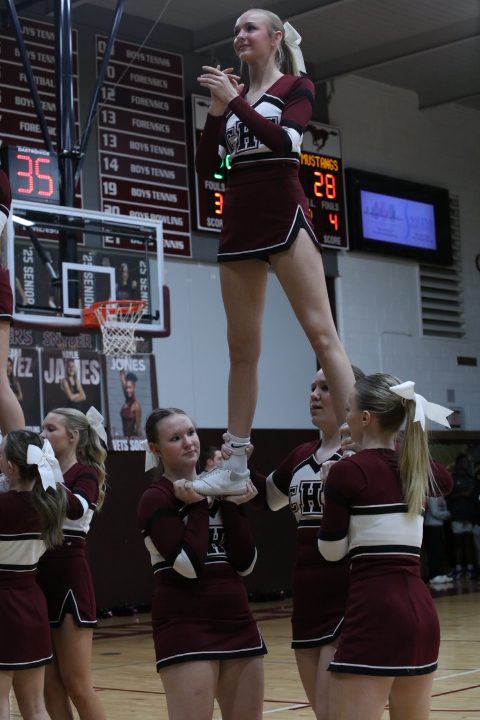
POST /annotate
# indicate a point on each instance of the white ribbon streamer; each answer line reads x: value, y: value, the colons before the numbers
x: 48, y: 467
x: 293, y: 40
x: 423, y: 408
x: 95, y: 420
x: 151, y: 460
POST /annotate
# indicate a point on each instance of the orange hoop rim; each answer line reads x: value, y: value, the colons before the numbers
x: 110, y: 307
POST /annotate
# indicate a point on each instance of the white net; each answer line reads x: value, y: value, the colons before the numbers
x: 118, y: 321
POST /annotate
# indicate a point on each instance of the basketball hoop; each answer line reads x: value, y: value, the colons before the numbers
x: 117, y: 319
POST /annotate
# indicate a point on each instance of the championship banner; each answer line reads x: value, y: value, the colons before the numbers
x: 23, y: 377
x: 131, y: 395
x: 71, y: 378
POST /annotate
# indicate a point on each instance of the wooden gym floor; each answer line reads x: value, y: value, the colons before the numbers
x: 124, y: 671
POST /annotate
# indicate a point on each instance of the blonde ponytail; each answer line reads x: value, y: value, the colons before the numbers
x: 415, y: 462
x: 392, y: 411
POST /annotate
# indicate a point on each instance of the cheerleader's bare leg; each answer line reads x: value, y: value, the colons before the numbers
x: 190, y: 689
x: 28, y: 686
x: 244, y: 285
x: 358, y: 697
x: 240, y: 689
x: 410, y: 697
x: 312, y: 666
x: 300, y: 272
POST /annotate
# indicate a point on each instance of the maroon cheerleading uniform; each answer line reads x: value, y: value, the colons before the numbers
x: 6, y: 296
x: 264, y: 204
x: 319, y: 587
x: 63, y: 573
x: 198, y: 553
x: 391, y: 626
x: 24, y: 629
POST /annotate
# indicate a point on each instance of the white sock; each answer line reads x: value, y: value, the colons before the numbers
x: 237, y: 462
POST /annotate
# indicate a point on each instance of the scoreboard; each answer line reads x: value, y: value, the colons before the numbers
x: 321, y: 175
x: 33, y: 174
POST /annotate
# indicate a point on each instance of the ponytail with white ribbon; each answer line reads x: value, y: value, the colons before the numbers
x: 423, y: 408
x: 293, y: 40
x: 47, y: 463
x: 151, y: 460
x: 95, y: 420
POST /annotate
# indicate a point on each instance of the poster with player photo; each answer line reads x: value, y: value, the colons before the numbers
x: 24, y: 379
x: 71, y: 378
x: 33, y: 284
x: 131, y: 395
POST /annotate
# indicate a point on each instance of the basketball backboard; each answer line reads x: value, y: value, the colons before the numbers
x: 114, y: 257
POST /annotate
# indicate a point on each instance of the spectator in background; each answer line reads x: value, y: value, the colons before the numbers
x: 434, y: 540
x: 210, y: 458
x: 461, y: 505
x: 476, y: 516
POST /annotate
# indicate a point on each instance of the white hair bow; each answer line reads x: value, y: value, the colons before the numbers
x: 95, y: 420
x: 293, y: 40
x: 423, y: 408
x: 151, y: 460
x: 48, y: 467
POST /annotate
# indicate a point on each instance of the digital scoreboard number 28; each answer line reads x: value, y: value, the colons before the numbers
x: 321, y: 175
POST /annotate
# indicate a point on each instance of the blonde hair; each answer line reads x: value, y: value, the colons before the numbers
x: 284, y: 59
x: 51, y: 504
x: 373, y: 394
x: 89, y: 449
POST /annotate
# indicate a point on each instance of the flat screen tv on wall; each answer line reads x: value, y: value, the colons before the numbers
x: 389, y: 216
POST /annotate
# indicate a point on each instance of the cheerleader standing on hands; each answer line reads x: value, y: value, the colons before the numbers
x: 265, y: 221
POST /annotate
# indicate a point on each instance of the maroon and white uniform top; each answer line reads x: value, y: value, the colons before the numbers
x: 269, y: 130
x: 21, y: 544
x: 296, y: 482
x: 189, y: 539
x: 82, y: 483
x: 64, y: 575
x: 24, y: 630
x: 264, y: 205
x: 198, y: 553
x: 319, y: 588
x: 391, y: 626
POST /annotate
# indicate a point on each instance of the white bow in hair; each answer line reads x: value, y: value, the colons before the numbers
x: 48, y: 467
x: 95, y: 420
x: 293, y: 40
x: 151, y: 460
x: 423, y: 408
